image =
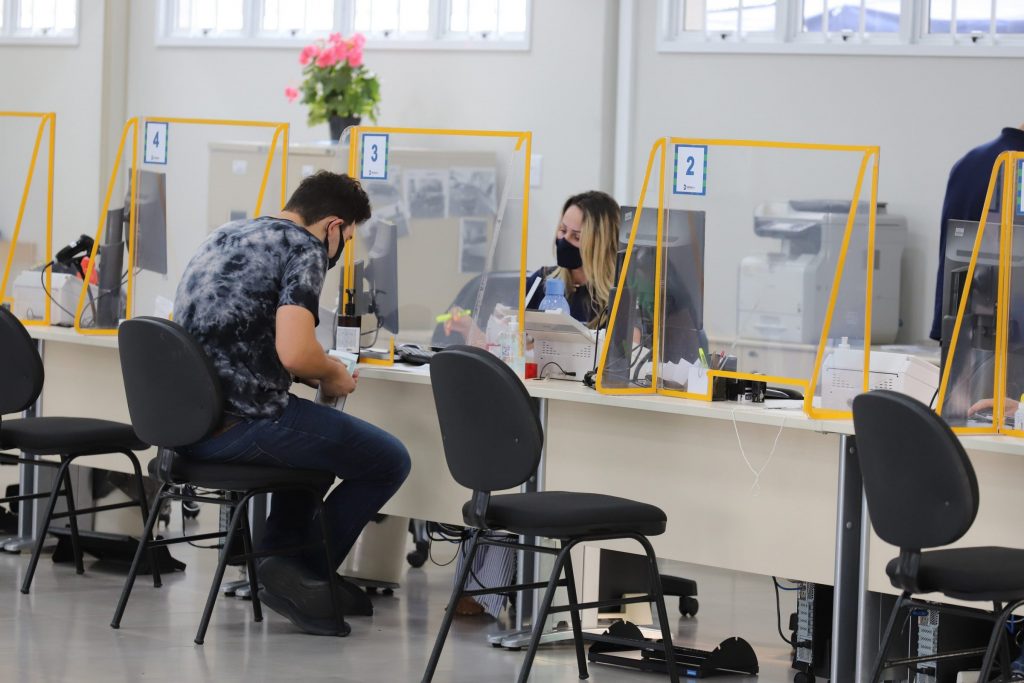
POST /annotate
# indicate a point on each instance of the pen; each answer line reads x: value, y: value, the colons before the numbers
x: 703, y: 358
x: 454, y: 315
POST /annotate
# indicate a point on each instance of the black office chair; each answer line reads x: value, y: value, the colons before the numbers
x: 175, y: 399
x: 70, y: 438
x: 922, y: 493
x: 492, y: 441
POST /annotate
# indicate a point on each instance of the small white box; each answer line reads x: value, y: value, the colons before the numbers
x: 30, y: 297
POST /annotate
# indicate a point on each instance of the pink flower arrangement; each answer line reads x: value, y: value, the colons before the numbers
x: 337, y: 82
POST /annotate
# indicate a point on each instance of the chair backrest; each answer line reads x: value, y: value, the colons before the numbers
x: 920, y: 485
x: 22, y: 368
x: 174, y: 394
x: 491, y: 430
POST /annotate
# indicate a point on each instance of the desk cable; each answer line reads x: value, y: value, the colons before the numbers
x: 756, y: 486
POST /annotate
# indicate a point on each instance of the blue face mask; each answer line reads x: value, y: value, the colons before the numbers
x: 567, y: 255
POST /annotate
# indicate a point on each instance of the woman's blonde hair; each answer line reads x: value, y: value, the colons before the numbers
x: 598, y: 247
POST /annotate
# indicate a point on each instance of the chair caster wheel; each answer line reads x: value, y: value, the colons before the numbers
x: 803, y: 677
x: 688, y: 606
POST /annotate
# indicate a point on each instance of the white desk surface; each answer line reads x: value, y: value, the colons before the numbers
x: 576, y: 392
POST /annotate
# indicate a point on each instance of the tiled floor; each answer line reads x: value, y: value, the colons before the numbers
x: 61, y: 632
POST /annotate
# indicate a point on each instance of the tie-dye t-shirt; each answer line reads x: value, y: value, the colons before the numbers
x: 228, y: 300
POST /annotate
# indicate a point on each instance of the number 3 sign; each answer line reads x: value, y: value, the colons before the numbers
x: 374, y: 157
x: 691, y: 170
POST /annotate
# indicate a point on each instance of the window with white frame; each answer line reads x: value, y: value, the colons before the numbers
x: 487, y: 19
x: 891, y: 26
x: 414, y: 23
x: 39, y: 20
x: 722, y: 19
x: 851, y: 19
x: 974, y: 19
x: 293, y: 18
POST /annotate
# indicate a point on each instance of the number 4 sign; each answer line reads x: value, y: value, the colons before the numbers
x: 156, y: 142
x: 691, y: 170
x: 374, y: 157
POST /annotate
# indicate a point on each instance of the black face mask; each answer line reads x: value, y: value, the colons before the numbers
x: 333, y: 260
x: 567, y: 255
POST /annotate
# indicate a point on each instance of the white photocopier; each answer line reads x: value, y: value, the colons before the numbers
x: 783, y: 295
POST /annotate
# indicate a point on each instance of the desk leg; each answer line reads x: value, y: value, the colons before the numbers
x: 30, y: 480
x: 849, y: 547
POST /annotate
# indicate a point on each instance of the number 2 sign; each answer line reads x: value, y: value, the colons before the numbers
x: 690, y: 170
x: 374, y: 157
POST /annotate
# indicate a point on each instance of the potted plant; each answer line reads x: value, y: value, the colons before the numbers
x: 337, y: 87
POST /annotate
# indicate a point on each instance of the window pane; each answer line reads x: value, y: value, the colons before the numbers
x: 46, y: 16
x: 940, y: 16
x: 457, y: 22
x: 973, y: 15
x: 229, y: 16
x: 814, y: 12
x: 758, y: 15
x: 512, y: 16
x: 691, y: 16
x: 723, y: 15
x: 844, y: 16
x: 483, y: 16
x: 377, y: 16
x: 882, y: 16
x: 414, y: 16
x: 1009, y: 16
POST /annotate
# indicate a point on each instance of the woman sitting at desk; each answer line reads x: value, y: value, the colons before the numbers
x: 586, y: 241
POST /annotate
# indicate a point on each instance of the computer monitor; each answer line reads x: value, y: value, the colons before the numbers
x: 376, y: 279
x: 151, y: 243
x: 682, y: 322
x: 150, y: 221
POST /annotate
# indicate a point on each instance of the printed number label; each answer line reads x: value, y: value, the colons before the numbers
x: 690, y: 170
x: 156, y: 142
x: 375, y: 157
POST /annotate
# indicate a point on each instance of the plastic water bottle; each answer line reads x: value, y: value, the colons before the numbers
x: 554, y: 296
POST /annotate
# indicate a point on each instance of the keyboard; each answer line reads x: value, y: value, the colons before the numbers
x: 413, y: 355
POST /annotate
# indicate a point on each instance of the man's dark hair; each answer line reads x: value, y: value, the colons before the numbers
x: 326, y: 194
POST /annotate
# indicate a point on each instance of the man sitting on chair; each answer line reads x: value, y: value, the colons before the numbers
x: 249, y: 296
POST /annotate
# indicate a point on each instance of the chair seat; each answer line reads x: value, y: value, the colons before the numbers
x: 983, y: 573
x: 60, y: 435
x: 232, y: 477
x: 561, y: 514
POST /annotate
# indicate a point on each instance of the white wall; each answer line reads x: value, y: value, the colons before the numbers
x: 68, y: 81
x: 559, y: 89
x: 923, y: 112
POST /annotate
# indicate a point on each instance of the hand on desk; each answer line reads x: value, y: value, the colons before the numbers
x: 988, y: 404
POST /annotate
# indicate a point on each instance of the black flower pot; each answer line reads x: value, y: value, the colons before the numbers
x: 340, y: 123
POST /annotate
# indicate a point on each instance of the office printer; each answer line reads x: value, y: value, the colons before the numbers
x: 783, y: 295
x: 843, y: 376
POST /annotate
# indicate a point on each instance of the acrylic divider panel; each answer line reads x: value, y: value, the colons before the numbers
x: 983, y: 311
x: 31, y: 282
x: 442, y: 259
x: 746, y: 259
x: 174, y: 182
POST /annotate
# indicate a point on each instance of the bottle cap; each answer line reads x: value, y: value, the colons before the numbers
x: 554, y: 287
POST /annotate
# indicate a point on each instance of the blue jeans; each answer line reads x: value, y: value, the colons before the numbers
x: 371, y: 463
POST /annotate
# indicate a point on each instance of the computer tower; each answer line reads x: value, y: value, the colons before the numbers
x: 812, y: 633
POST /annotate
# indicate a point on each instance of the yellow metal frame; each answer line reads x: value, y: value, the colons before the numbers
x: 134, y: 126
x: 1008, y: 163
x: 47, y: 120
x: 521, y: 137
x: 659, y: 154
